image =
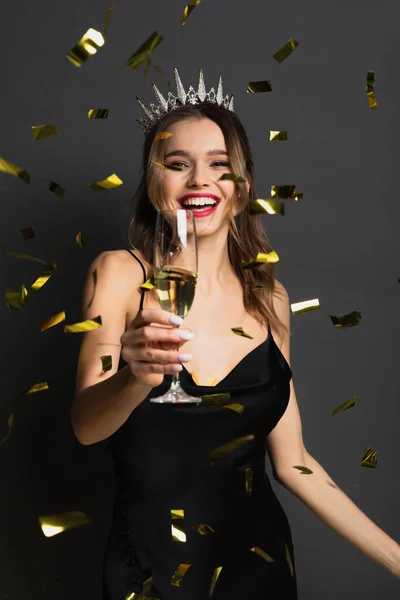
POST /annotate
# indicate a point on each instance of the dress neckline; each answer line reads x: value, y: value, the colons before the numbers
x: 245, y: 357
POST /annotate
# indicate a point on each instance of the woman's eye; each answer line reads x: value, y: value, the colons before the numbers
x: 221, y: 163
x: 177, y: 163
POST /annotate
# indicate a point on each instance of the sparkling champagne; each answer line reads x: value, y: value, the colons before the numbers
x: 175, y: 289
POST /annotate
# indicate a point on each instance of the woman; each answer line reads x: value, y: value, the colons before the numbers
x: 184, y: 525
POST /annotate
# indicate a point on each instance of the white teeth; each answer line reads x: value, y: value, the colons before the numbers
x: 198, y: 201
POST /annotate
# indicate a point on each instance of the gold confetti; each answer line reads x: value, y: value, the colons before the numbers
x: 217, y: 572
x: 219, y: 399
x: 370, y: 88
x: 146, y: 585
x: 137, y: 596
x: 57, y: 189
x: 98, y: 113
x: 163, y: 135
x: 43, y: 131
x: 162, y: 75
x: 225, y: 449
x: 188, y: 10
x: 52, y: 321
x: 203, y: 529
x: 37, y: 387
x: 27, y: 257
x: 305, y: 306
x: 180, y: 574
x: 148, y: 285
x: 27, y: 233
x: 107, y: 15
x: 270, y: 207
x: 54, y: 524
x: 369, y: 458
x: 171, y: 167
x: 263, y: 554
x: 106, y: 363
x: 10, y: 423
x: 7, y: 167
x: 248, y: 474
x: 84, y: 326
x: 111, y: 182
x: 288, y: 192
x: 278, y: 136
x: 304, y: 470
x: 350, y: 320
x: 289, y: 560
x: 261, y: 258
x: 94, y: 276
x: 232, y: 177
x: 285, y: 51
x: 143, y: 53
x: 88, y: 45
x: 80, y: 239
x: 257, y: 87
x: 239, y: 331
x: 348, y: 404
x: 178, y: 527
x: 17, y: 299
x: 43, y: 277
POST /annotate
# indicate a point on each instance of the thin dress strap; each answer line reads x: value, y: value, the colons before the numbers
x: 144, y: 277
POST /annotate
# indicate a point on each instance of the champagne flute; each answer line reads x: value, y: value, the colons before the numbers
x: 175, y: 276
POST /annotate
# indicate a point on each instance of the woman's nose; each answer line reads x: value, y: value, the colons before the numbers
x: 198, y: 178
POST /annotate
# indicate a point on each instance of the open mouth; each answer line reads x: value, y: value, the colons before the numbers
x: 205, y: 203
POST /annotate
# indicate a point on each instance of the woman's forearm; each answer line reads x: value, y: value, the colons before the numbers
x: 325, y: 499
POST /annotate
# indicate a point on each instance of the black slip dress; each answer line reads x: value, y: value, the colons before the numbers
x: 195, y: 516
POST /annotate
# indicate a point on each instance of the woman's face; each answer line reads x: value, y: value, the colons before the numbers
x: 198, y: 146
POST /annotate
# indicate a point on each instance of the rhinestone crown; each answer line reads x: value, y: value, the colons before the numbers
x: 156, y: 111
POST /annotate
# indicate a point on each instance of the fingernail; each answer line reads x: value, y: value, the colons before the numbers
x: 186, y: 335
x: 175, y: 320
x: 184, y: 357
x: 177, y: 368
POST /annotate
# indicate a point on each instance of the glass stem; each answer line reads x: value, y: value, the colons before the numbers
x: 175, y: 384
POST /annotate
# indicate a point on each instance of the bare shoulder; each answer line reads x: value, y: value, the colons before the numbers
x: 282, y: 307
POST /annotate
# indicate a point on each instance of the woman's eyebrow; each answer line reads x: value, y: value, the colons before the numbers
x: 214, y: 152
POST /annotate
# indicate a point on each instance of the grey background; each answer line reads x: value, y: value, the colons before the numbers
x: 339, y: 244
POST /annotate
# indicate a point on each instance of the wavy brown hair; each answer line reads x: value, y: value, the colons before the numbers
x: 246, y: 236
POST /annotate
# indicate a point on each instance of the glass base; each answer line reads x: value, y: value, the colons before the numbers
x: 176, y: 395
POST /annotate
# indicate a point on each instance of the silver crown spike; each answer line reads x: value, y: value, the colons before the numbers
x: 146, y: 111
x: 230, y: 105
x: 220, y: 93
x: 201, y: 91
x: 179, y: 88
x: 162, y: 101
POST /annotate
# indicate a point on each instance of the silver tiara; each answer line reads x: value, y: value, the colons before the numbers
x: 156, y: 111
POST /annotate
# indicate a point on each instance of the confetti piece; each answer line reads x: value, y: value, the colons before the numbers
x: 287, y: 192
x: 304, y: 470
x: 98, y: 113
x: 84, y: 326
x: 138, y: 596
x: 257, y: 87
x: 142, y: 54
x: 263, y: 554
x: 80, y: 239
x: 52, y: 321
x: 219, y: 399
x: 163, y: 135
x: 225, y: 449
x: 106, y: 363
x: 57, y: 189
x: 43, y: 277
x: 188, y: 10
x: 147, y: 585
x: 17, y: 299
x: 204, y: 529
x: 348, y: 404
x: 261, y: 258
x: 369, y: 458
x: 10, y: 423
x: 232, y: 177
x: 148, y: 285
x: 278, y: 136
x: 111, y: 182
x: 88, y: 45
x: 54, y: 524
x: 180, y: 574
x: 350, y: 320
x: 370, y: 88
x: 27, y: 257
x: 178, y: 527
x: 216, y: 574
x: 36, y: 387
x: 107, y: 16
x: 248, y: 481
x: 7, y: 167
x: 162, y: 75
x: 285, y: 51
x: 289, y: 560
x: 305, y: 306
x: 171, y: 167
x: 239, y: 331
x: 94, y: 277
x: 27, y: 233
x: 270, y: 207
x: 43, y: 131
